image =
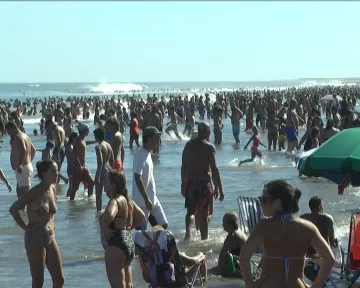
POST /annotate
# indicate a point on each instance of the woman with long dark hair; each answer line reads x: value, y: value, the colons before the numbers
x: 120, y: 216
x: 285, y: 240
x: 40, y: 244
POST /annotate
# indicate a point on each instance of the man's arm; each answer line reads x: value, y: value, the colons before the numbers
x: 183, y: 167
x: 32, y: 152
x: 215, y: 172
x: 331, y: 232
x: 122, y: 149
x: 100, y: 163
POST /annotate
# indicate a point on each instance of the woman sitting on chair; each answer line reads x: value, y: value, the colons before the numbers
x: 285, y: 239
x: 228, y: 265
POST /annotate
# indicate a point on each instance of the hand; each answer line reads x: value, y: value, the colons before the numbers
x: 19, y: 169
x: 222, y: 196
x: 107, y: 232
x: 149, y: 205
x: 9, y: 187
x: 31, y: 228
x: 183, y: 191
x: 216, y: 192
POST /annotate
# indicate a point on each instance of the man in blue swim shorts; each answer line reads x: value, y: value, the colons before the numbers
x: 292, y: 125
x: 236, y: 115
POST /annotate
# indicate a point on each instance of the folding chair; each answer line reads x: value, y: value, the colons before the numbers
x: 250, y: 213
x: 154, y: 245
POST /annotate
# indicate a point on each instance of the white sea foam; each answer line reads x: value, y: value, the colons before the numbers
x: 117, y: 87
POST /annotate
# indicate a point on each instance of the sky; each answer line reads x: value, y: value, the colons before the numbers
x: 177, y: 41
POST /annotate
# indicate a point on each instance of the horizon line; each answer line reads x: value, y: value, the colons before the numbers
x: 182, y: 81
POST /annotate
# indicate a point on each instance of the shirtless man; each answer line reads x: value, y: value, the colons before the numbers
x: 250, y: 116
x: 79, y: 172
x: 198, y: 159
x: 105, y: 160
x: 190, y: 123
x: 292, y: 125
x: 273, y: 126
x: 116, y: 142
x: 172, y: 125
x: 236, y: 115
x: 58, y: 135
x: 59, y: 115
x: 21, y: 156
x: 324, y: 222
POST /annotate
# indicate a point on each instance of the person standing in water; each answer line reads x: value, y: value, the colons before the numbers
x: 21, y: 156
x: 144, y: 187
x: 255, y: 148
x: 236, y: 115
x: 116, y: 141
x: 105, y: 160
x: 40, y: 244
x: 198, y: 159
x: 79, y: 172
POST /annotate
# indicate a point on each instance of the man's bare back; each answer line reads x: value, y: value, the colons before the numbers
x: 196, y: 156
x: 22, y: 151
x: 117, y: 145
x: 79, y: 151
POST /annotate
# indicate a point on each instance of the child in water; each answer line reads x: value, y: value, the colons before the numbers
x: 47, y: 152
x: 255, y: 148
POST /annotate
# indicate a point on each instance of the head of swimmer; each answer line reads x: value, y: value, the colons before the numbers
x: 204, y: 131
x: 279, y: 197
x: 48, y: 172
x: 231, y: 222
x: 115, y: 185
x: 11, y: 128
x: 255, y: 130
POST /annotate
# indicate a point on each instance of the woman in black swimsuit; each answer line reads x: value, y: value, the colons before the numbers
x: 40, y: 244
x: 120, y: 216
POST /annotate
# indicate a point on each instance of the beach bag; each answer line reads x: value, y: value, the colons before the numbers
x: 162, y: 274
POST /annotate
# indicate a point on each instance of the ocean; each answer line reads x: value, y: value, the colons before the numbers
x: 77, y: 229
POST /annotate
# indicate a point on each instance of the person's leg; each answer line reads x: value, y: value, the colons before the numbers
x: 36, y: 254
x: 54, y: 265
x: 128, y: 274
x: 115, y: 263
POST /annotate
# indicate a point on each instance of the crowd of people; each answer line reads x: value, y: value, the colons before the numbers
x: 280, y: 113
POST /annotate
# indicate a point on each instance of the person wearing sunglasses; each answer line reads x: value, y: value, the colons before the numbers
x: 285, y: 240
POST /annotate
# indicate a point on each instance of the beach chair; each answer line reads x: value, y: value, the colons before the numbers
x: 250, y: 213
x: 160, y: 260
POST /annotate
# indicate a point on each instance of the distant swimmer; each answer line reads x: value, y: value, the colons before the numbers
x: 255, y: 148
